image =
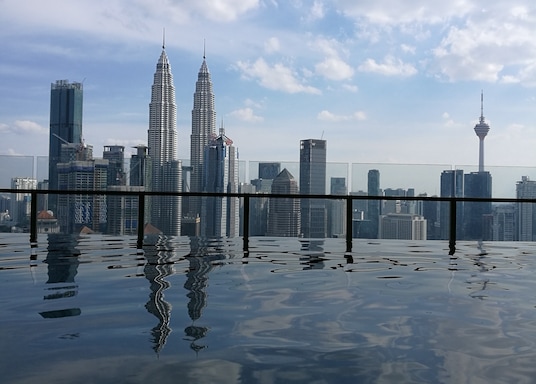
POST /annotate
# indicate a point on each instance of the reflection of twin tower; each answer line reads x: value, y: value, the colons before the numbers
x: 213, y: 159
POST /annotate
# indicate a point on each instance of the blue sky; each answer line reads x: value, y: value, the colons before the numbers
x: 383, y: 81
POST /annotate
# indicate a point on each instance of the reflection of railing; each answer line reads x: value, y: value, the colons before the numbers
x: 246, y: 204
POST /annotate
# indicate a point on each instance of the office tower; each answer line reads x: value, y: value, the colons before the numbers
x: 337, y: 208
x: 203, y: 130
x: 162, y: 141
x: 220, y: 215
x: 284, y: 212
x: 478, y: 215
x: 402, y: 226
x: 66, y: 101
x: 370, y: 230
x: 430, y: 211
x: 115, y: 154
x: 140, y: 168
x: 313, y: 182
x: 269, y: 171
x: 258, y: 224
x: 451, y: 185
x: 526, y: 212
x: 21, y: 202
x: 504, y: 222
x: 85, y: 173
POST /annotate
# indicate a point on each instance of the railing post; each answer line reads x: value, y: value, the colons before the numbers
x: 33, y: 218
x: 141, y: 219
x: 452, y: 230
x: 349, y: 221
x: 245, y: 229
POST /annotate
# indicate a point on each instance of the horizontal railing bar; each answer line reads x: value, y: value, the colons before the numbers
x: 269, y: 195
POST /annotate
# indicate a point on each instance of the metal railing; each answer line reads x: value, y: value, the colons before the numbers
x: 246, y: 207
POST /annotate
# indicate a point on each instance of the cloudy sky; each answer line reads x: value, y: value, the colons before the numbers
x: 384, y: 81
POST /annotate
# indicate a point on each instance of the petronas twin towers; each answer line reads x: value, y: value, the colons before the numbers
x: 166, y: 211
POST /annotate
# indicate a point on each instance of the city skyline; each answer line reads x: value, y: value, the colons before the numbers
x: 382, y: 84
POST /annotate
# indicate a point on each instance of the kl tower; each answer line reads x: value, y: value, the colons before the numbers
x: 481, y: 130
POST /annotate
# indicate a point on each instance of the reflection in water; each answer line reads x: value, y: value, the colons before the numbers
x: 202, y: 255
x: 62, y: 261
x: 313, y: 257
x: 159, y: 266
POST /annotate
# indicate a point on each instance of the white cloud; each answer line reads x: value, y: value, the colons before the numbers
x: 389, y: 67
x: 272, y: 45
x: 334, y: 68
x: 317, y: 11
x: 408, y: 48
x: 350, y: 87
x: 394, y: 12
x: 23, y: 127
x: 222, y: 10
x: 277, y: 77
x: 328, y: 116
x: 246, y: 114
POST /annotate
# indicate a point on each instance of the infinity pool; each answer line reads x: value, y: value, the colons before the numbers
x: 91, y: 309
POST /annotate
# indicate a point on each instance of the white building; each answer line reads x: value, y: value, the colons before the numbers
x: 402, y: 226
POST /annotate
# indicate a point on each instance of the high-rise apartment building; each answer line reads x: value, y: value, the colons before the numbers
x: 526, y: 212
x: 313, y: 182
x: 220, y: 215
x: 82, y: 173
x: 203, y: 130
x: 284, y: 212
x: 66, y: 101
x: 162, y: 142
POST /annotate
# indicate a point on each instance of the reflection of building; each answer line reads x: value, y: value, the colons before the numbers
x: 62, y: 266
x: 526, y: 212
x: 162, y: 143
x: 66, y: 101
x: 313, y: 182
x: 157, y: 268
x: 402, y: 226
x: 284, y: 212
x: 220, y: 215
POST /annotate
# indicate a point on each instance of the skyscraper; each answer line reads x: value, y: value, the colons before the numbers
x: 337, y: 208
x: 162, y: 140
x: 115, y: 154
x: 203, y: 130
x: 313, y: 182
x: 373, y: 211
x: 66, y: 100
x: 526, y: 212
x: 451, y: 185
x: 284, y: 212
x: 220, y: 215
